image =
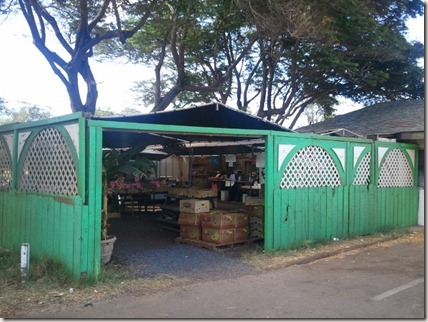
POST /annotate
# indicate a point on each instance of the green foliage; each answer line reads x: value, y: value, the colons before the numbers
x: 121, y: 162
x: 106, y: 112
x: 25, y: 113
x: 306, y: 53
x: 126, y: 162
x: 280, y: 56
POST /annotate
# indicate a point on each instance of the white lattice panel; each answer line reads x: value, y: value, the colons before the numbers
x: 311, y: 166
x: 49, y: 165
x: 395, y: 171
x: 362, y: 175
x: 5, y: 166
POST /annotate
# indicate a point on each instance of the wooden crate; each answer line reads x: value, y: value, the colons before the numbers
x: 193, y: 193
x: 250, y: 201
x: 208, y: 245
x: 194, y: 205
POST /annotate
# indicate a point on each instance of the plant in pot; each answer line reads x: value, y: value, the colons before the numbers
x: 115, y: 162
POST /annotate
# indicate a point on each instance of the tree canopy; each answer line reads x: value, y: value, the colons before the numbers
x: 66, y: 32
x: 278, y: 57
x: 25, y: 113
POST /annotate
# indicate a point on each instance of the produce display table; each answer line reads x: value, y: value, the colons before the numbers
x: 137, y: 197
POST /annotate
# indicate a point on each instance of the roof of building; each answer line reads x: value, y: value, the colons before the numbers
x: 378, y: 119
x: 213, y: 115
x: 210, y: 115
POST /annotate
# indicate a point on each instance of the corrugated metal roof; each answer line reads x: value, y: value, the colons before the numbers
x: 378, y: 119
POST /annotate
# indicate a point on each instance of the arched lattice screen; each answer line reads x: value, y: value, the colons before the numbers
x: 395, y: 171
x: 49, y: 166
x: 362, y: 176
x: 5, y: 166
x: 311, y: 166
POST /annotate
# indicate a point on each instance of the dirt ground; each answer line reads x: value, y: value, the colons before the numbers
x: 158, y: 263
x: 380, y: 281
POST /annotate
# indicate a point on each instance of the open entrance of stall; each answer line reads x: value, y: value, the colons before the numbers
x: 155, y: 173
x: 212, y: 158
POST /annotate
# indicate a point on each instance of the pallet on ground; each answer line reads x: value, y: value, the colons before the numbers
x: 208, y: 245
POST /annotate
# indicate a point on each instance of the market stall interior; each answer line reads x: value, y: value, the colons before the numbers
x: 208, y: 189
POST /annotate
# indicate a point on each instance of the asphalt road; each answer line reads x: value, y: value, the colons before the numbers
x: 382, y: 282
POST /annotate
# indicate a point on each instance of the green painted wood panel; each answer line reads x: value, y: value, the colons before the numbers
x: 69, y: 228
x: 270, y: 192
x: 311, y: 214
x: 46, y: 222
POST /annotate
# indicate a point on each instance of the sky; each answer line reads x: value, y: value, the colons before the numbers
x: 25, y: 76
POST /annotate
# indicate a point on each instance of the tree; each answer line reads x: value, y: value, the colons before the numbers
x: 66, y: 32
x: 282, y: 56
x: 194, y: 48
x: 315, y: 114
x: 279, y: 56
x: 23, y: 114
x: 311, y: 52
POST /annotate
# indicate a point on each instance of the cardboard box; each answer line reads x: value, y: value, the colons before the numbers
x: 257, y: 211
x: 193, y: 192
x: 194, y: 205
x: 240, y: 219
x: 222, y: 219
x: 218, y: 220
x: 190, y: 232
x: 218, y: 236
x: 241, y: 234
x: 189, y: 218
x: 254, y: 201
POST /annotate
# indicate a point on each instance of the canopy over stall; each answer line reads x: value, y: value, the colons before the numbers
x: 214, y: 115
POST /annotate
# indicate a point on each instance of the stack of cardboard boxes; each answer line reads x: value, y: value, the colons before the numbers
x: 255, y: 208
x: 256, y: 221
x: 197, y: 222
x: 192, y: 212
x: 225, y: 227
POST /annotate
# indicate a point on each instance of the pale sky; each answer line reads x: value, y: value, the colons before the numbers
x: 26, y: 76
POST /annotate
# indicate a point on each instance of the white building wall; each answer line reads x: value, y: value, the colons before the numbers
x: 421, y: 212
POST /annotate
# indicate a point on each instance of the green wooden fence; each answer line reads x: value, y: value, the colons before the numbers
x: 43, y: 198
x: 326, y: 188
x: 316, y: 187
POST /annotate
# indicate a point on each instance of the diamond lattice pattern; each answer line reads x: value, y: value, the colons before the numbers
x: 49, y: 165
x: 5, y: 167
x: 311, y: 166
x: 395, y: 171
x: 362, y: 176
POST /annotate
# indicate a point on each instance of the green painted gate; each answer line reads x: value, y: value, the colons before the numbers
x: 326, y: 188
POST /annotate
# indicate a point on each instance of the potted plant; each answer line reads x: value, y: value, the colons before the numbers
x: 115, y: 162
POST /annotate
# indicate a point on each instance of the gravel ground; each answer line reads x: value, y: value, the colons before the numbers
x: 151, y: 251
